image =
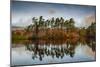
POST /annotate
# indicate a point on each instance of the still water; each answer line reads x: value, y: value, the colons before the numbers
x: 45, y: 52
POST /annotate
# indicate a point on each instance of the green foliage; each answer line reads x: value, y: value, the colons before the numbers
x: 82, y: 32
x: 56, y: 28
x: 18, y: 37
x: 91, y: 30
x: 34, y: 37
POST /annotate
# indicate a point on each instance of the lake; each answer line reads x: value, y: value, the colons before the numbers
x: 47, y: 52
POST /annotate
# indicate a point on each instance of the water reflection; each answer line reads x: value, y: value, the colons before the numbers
x: 56, y: 49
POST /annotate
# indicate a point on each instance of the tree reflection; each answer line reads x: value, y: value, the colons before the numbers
x: 57, y: 48
x: 92, y: 44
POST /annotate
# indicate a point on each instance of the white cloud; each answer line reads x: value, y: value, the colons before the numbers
x: 87, y: 20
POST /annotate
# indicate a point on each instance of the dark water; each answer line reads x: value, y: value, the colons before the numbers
x: 59, y: 51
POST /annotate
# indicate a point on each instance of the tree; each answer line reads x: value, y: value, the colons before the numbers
x: 41, y: 21
x: 29, y: 28
x: 48, y: 23
x: 36, y: 24
x: 71, y: 24
x: 52, y: 22
x: 61, y: 22
x: 91, y: 30
x: 57, y: 23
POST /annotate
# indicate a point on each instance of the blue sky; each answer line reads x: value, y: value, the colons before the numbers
x: 22, y: 12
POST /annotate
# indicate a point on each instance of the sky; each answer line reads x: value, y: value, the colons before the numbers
x: 22, y: 12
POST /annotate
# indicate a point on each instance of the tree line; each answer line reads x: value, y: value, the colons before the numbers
x: 52, y: 23
x: 61, y: 24
x: 58, y: 28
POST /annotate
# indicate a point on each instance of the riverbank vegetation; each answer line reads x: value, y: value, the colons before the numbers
x: 54, y: 29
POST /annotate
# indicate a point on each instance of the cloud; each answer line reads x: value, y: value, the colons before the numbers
x: 51, y: 11
x: 89, y: 19
x: 23, y: 22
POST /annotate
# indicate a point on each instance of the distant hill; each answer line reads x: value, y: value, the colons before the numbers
x: 17, y: 28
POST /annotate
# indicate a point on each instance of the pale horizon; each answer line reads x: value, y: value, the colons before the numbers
x: 22, y: 12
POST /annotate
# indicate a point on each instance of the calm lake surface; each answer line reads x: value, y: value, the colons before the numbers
x: 44, y: 52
